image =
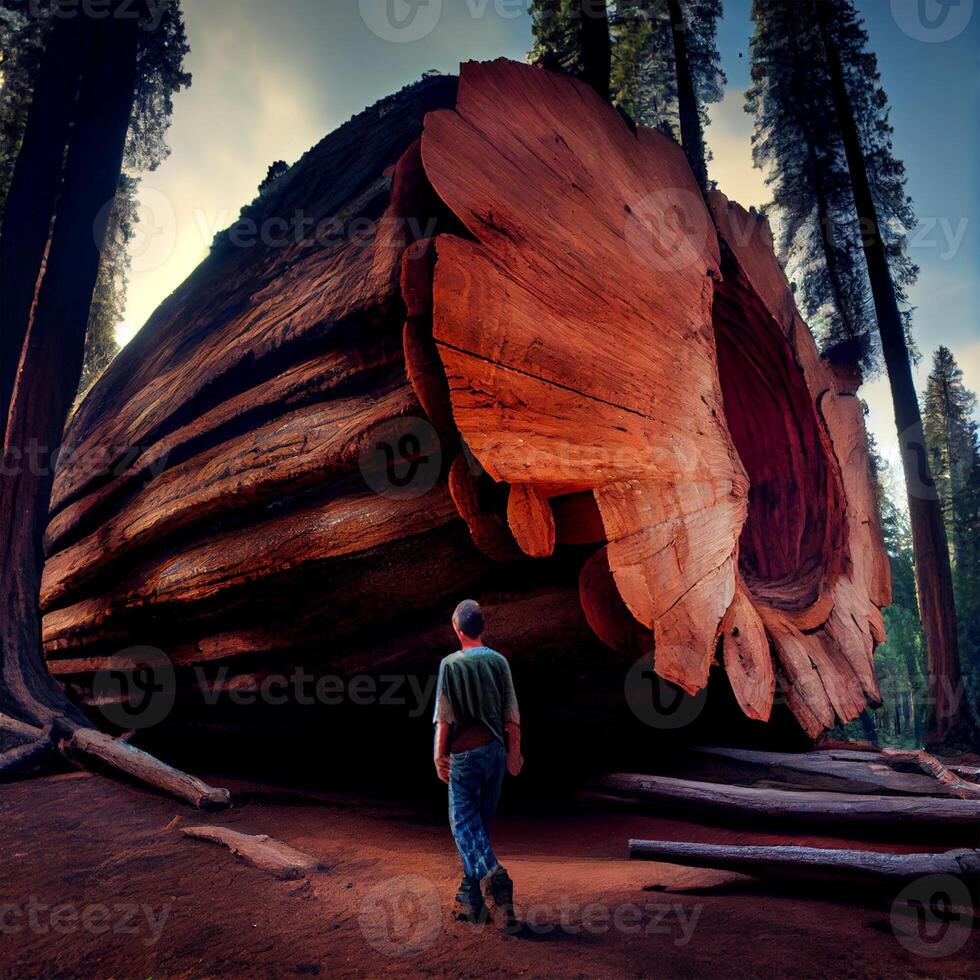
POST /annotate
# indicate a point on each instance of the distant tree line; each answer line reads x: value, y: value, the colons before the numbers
x: 951, y: 433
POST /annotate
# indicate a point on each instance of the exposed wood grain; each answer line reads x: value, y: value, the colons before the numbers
x: 748, y: 662
x: 554, y: 381
x: 818, y: 573
x: 606, y: 612
x: 489, y: 532
x: 531, y: 521
x: 872, y: 774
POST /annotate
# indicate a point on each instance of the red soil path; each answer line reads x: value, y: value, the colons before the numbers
x: 96, y: 881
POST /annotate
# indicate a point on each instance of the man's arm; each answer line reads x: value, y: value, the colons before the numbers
x: 441, y: 751
x: 515, y: 761
x: 512, y: 723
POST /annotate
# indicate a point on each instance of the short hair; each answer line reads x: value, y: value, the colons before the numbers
x: 468, y: 618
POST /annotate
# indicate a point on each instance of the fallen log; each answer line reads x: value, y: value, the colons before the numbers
x: 266, y: 853
x: 94, y: 747
x: 772, y: 804
x: 527, y: 342
x: 971, y: 773
x: 872, y: 775
x: 916, y: 760
x: 794, y: 862
x: 24, y: 758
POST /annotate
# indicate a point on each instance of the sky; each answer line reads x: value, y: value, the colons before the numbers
x: 272, y: 77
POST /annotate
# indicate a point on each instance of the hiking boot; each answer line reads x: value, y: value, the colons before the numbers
x: 498, y: 891
x: 468, y: 905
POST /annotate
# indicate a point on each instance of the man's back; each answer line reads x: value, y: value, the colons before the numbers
x: 475, y: 688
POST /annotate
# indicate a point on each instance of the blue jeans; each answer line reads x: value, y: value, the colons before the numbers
x: 475, y: 778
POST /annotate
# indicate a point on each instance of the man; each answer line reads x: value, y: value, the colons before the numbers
x: 478, y: 735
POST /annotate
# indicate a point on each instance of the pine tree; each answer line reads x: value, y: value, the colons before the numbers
x: 667, y: 70
x: 556, y: 45
x: 951, y: 436
x: 664, y: 67
x: 21, y: 47
x: 900, y: 661
x: 26, y: 31
x: 572, y: 36
x: 954, y: 452
x: 797, y: 134
x: 51, y: 364
x: 839, y: 194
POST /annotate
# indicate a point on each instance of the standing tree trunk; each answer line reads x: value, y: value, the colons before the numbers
x: 33, y: 191
x: 868, y: 724
x: 596, y: 50
x: 933, y: 576
x: 50, y: 368
x: 692, y: 136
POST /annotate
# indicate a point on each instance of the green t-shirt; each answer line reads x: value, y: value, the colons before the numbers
x: 475, y: 686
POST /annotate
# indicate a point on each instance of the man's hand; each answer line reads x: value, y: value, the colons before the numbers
x: 440, y: 753
x: 515, y: 761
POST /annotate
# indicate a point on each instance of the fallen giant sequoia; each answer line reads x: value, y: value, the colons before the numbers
x: 511, y: 348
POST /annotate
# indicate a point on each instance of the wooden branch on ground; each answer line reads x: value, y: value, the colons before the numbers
x: 267, y: 853
x: 17, y: 727
x: 871, y: 775
x: 23, y: 758
x: 792, y: 861
x: 744, y: 801
x: 94, y: 746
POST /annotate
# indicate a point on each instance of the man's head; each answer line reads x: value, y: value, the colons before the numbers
x: 468, y: 621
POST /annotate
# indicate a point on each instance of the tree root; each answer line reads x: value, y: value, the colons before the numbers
x: 21, y: 728
x: 88, y: 745
x: 90, y: 748
x: 24, y: 758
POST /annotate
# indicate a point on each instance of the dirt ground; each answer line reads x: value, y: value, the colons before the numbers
x: 96, y: 880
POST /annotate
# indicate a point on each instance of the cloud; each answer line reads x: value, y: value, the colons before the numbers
x: 730, y: 139
x: 243, y: 111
